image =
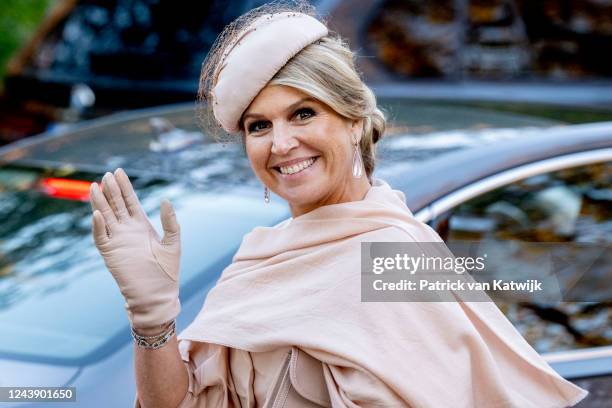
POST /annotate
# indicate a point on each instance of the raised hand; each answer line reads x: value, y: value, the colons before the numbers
x: 145, y: 267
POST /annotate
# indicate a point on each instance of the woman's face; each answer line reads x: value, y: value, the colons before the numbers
x: 302, y: 149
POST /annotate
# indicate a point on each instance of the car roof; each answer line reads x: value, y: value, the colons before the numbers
x: 437, y: 177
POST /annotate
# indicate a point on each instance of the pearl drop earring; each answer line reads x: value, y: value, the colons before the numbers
x: 357, y: 161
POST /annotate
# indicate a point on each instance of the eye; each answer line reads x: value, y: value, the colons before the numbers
x: 304, y: 113
x: 255, y: 126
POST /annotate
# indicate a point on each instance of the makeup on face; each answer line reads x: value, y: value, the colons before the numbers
x: 300, y: 148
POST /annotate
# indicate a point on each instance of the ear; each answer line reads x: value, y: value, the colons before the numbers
x: 357, y: 128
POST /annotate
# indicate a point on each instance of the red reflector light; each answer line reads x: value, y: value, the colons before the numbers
x: 66, y: 188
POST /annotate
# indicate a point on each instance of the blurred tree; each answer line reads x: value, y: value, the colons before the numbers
x: 18, y: 20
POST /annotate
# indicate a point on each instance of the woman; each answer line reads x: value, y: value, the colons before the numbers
x: 285, y: 325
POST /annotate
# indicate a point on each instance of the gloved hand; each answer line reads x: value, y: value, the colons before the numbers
x: 146, y: 268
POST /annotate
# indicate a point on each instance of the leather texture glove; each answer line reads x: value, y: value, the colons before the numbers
x: 145, y: 267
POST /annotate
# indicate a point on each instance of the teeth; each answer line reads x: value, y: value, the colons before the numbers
x: 297, y: 167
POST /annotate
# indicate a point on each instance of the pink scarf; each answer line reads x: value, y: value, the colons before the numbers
x: 299, y: 284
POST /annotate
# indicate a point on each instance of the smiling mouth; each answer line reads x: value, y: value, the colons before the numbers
x: 296, y: 168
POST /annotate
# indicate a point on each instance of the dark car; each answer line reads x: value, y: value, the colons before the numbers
x: 62, y: 315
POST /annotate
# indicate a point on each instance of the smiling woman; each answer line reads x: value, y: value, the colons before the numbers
x: 285, y: 324
x: 292, y: 150
x: 286, y: 125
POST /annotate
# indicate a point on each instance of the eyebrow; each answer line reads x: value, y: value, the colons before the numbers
x: 289, y: 108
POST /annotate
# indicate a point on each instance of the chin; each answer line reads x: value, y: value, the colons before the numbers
x: 301, y: 196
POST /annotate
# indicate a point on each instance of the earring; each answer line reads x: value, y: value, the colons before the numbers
x: 357, y: 162
x: 266, y: 195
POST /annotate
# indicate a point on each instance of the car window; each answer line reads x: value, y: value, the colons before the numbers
x: 569, y: 206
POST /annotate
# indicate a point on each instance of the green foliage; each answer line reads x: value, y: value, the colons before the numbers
x: 18, y: 21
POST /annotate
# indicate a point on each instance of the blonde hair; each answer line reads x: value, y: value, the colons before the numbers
x: 324, y: 70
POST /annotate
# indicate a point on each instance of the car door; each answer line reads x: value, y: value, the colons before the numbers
x: 565, y: 206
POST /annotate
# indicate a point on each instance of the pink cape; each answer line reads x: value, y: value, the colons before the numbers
x: 299, y: 284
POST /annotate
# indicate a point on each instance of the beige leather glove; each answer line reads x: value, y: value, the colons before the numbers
x: 145, y: 267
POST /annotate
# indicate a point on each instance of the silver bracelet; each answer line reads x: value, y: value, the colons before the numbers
x: 157, y: 341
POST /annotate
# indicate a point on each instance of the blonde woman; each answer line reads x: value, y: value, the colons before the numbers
x: 285, y: 325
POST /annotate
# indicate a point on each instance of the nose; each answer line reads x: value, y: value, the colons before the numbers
x: 283, y: 140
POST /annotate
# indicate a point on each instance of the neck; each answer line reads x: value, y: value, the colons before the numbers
x: 355, y: 191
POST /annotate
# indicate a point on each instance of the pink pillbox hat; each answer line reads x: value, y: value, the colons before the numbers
x: 253, y: 59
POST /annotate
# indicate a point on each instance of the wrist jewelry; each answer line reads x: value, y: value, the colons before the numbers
x: 157, y: 341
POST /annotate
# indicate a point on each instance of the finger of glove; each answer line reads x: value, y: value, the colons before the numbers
x: 129, y: 196
x: 131, y: 199
x: 100, y: 234
x: 99, y: 202
x: 112, y: 192
x: 169, y: 223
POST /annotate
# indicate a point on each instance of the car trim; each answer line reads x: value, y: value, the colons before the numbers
x: 424, y: 214
x: 567, y: 363
x: 435, y: 178
x: 570, y: 355
x: 457, y: 197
